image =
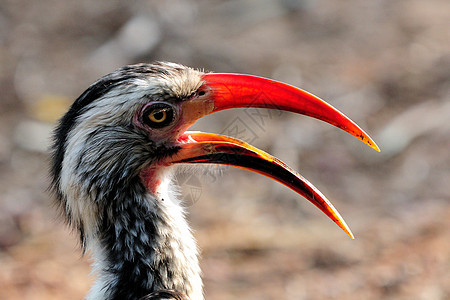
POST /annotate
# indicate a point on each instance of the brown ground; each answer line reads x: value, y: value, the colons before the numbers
x: 384, y: 63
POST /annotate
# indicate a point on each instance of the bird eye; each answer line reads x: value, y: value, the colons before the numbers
x: 158, y: 115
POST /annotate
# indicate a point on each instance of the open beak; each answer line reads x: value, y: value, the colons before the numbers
x: 223, y: 91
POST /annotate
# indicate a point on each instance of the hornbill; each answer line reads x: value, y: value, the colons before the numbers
x: 112, y: 154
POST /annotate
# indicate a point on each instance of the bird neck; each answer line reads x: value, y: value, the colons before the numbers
x: 144, y: 244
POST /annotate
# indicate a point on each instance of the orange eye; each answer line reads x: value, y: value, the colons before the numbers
x: 158, y: 115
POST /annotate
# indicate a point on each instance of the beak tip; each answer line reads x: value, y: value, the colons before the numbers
x: 350, y: 234
x: 347, y: 230
x: 341, y: 223
x: 375, y: 146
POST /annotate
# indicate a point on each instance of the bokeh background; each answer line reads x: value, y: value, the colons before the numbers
x: 385, y: 63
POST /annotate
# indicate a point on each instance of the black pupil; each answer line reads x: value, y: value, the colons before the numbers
x: 159, y: 114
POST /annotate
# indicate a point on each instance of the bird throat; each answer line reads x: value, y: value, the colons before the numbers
x: 146, y: 246
x: 151, y: 177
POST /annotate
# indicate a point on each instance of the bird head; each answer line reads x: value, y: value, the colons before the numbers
x: 131, y: 125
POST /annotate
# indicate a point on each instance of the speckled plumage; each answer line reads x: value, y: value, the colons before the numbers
x: 140, y: 241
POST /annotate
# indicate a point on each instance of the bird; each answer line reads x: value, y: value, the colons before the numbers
x: 113, y: 156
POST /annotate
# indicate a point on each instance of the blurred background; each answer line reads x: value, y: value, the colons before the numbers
x: 385, y: 63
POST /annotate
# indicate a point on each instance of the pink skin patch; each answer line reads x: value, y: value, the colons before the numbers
x: 150, y: 178
x: 151, y: 175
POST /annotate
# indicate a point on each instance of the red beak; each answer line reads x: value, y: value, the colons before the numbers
x: 223, y: 91
x: 235, y: 90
